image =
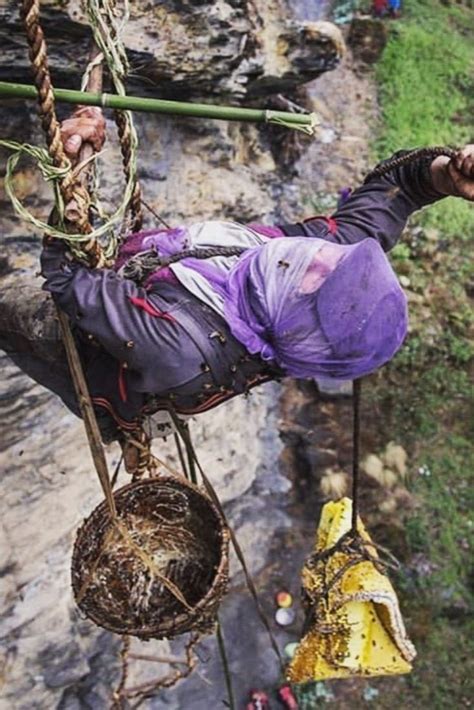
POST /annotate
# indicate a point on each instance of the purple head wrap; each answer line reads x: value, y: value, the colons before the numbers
x: 317, y: 309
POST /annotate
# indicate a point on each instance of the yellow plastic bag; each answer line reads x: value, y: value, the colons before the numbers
x: 356, y: 626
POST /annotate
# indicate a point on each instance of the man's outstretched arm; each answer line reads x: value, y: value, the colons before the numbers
x: 380, y: 208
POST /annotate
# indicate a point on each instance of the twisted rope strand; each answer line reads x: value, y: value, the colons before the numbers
x: 140, y: 266
x: 74, y: 208
x: 107, y: 31
x: 42, y: 80
x: 125, y: 136
x: 410, y: 157
x: 71, y: 191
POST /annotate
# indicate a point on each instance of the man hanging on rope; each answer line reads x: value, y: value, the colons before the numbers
x: 311, y: 299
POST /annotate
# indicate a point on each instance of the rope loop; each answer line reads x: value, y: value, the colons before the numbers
x: 79, y: 242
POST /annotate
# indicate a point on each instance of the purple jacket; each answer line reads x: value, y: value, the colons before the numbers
x: 149, y: 348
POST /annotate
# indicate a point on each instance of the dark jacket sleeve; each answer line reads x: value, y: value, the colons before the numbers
x: 378, y: 209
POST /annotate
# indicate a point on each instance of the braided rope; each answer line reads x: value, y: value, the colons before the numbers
x: 125, y: 137
x: 140, y: 266
x: 72, y: 198
x: 147, y: 462
x: 71, y: 190
x: 410, y: 157
x: 42, y: 79
x: 75, y: 204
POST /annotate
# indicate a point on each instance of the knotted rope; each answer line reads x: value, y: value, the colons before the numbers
x: 71, y: 195
x: 49, y: 122
x: 146, y: 461
x: 72, y: 198
x: 70, y: 189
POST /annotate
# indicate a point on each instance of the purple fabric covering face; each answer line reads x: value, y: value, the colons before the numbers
x: 353, y: 323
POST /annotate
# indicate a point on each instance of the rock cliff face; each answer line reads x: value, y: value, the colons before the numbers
x: 189, y: 170
x: 184, y: 48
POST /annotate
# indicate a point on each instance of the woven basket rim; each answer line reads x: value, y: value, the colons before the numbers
x: 220, y: 575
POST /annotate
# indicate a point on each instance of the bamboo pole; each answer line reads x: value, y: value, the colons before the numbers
x: 301, y: 121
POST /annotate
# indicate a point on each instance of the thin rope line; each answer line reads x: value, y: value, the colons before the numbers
x: 238, y: 550
x: 355, y: 452
x: 155, y: 214
x: 116, y: 472
x: 88, y: 414
x: 180, y: 454
x: 225, y: 665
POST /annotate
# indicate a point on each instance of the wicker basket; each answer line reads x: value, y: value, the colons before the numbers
x: 170, y: 542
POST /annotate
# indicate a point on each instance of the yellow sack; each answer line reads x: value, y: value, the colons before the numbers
x: 356, y: 624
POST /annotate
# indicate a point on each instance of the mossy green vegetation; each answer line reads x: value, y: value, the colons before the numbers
x: 426, y: 399
x: 426, y: 88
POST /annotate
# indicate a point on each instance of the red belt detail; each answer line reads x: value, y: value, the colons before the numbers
x: 105, y: 404
x: 150, y: 308
x: 330, y: 221
x: 213, y: 400
x: 332, y: 224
